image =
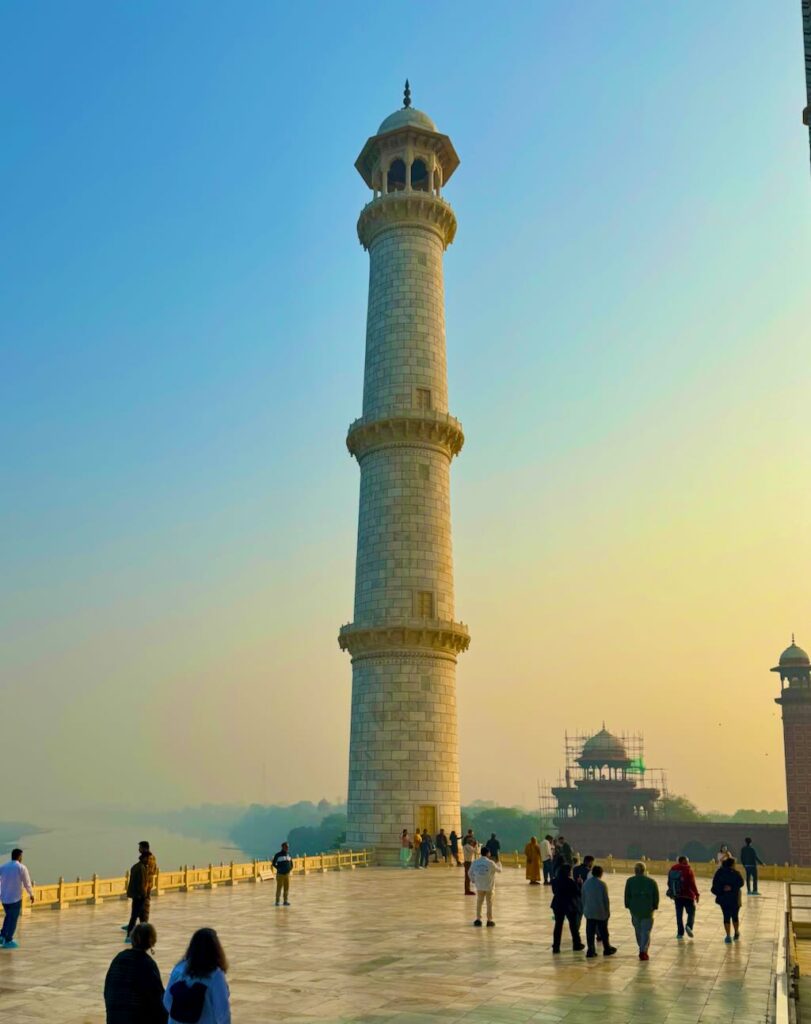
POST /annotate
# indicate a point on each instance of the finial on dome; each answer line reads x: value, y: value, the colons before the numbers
x: 407, y: 95
x: 792, y: 638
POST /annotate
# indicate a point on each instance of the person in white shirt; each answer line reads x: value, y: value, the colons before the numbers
x: 197, y: 989
x: 14, y: 878
x: 546, y: 859
x: 483, y: 875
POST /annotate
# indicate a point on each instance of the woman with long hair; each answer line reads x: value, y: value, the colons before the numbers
x: 197, y: 991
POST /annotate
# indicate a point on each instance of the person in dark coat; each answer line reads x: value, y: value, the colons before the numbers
x: 726, y: 887
x: 454, y: 838
x: 566, y: 907
x: 138, y: 891
x: 750, y: 861
x: 493, y: 845
x: 133, y: 990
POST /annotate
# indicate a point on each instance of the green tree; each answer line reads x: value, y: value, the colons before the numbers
x: 679, y: 808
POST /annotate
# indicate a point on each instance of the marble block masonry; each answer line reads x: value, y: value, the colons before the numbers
x: 404, y: 638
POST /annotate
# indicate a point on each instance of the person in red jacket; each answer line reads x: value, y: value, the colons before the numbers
x: 682, y: 889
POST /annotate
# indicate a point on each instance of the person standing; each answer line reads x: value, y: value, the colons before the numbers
x: 425, y: 849
x: 133, y: 990
x: 494, y: 846
x: 14, y: 878
x: 750, y: 861
x: 405, y: 849
x: 726, y: 888
x: 442, y: 844
x: 596, y: 910
x: 532, y: 855
x: 417, y: 848
x: 455, y: 847
x: 566, y: 852
x: 580, y: 872
x: 722, y: 855
x: 197, y: 989
x: 282, y: 864
x: 566, y: 907
x: 642, y: 900
x: 469, y: 850
x: 547, y: 852
x: 683, y: 890
x: 138, y: 891
x: 483, y: 873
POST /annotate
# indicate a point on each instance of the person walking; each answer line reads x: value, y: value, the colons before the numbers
x: 566, y: 907
x: 532, y: 855
x: 726, y: 888
x: 417, y: 848
x: 454, y: 838
x: 580, y: 872
x: 547, y: 852
x: 197, y: 989
x: 642, y: 900
x: 483, y: 871
x: 405, y: 849
x: 138, y: 892
x: 282, y: 864
x: 469, y: 850
x: 14, y: 878
x: 133, y: 990
x: 683, y: 890
x: 750, y: 861
x: 596, y: 910
x: 442, y: 844
x: 493, y: 845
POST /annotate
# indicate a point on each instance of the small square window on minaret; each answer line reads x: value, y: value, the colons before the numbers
x: 422, y: 398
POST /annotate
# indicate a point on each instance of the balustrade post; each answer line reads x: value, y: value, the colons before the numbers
x: 96, y: 898
x: 304, y: 864
x: 351, y: 861
x: 210, y: 884
x: 60, y: 894
x: 232, y: 878
x: 611, y: 863
x: 323, y: 869
x: 255, y: 870
x: 185, y: 886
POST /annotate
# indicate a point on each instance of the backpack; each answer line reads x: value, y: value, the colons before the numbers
x: 674, y: 883
x: 187, y: 1001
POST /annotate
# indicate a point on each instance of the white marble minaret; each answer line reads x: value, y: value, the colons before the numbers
x: 404, y: 640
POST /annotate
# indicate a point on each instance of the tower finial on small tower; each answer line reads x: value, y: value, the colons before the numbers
x: 792, y: 639
x: 407, y: 95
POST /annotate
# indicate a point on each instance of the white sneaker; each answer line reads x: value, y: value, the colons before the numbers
x: 689, y: 931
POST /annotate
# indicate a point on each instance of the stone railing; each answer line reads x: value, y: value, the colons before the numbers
x: 60, y: 895
x: 702, y: 869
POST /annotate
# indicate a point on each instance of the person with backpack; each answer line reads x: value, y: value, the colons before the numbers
x: 726, y: 888
x: 682, y: 889
x: 750, y: 861
x: 133, y: 990
x: 282, y: 864
x: 197, y: 992
x: 642, y: 899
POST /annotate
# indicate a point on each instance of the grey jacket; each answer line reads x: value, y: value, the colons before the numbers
x: 595, y: 899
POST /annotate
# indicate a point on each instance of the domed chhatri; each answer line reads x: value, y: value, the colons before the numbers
x: 794, y: 655
x: 604, y: 749
x: 405, y: 118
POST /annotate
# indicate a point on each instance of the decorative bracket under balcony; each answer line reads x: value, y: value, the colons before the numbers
x: 423, y: 427
x: 413, y: 636
x: 397, y: 208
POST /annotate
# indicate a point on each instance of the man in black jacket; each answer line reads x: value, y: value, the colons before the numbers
x: 750, y: 861
x: 566, y: 907
x: 138, y: 891
x: 133, y: 990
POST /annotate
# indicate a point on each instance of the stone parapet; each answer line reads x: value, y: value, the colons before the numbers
x: 424, y: 428
x: 397, y: 209
x: 430, y: 636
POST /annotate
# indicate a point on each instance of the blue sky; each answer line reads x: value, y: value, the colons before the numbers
x: 183, y: 301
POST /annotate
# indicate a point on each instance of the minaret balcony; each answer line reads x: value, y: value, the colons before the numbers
x: 393, y: 209
x: 420, y: 636
x: 426, y: 428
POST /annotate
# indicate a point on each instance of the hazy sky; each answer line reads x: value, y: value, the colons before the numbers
x: 183, y: 309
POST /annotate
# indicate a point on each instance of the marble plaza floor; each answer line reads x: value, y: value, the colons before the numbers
x: 378, y: 945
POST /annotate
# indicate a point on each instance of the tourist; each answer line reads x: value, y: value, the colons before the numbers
x: 138, y: 891
x: 750, y: 861
x: 483, y: 872
x: 493, y: 845
x: 425, y: 849
x: 469, y: 849
x: 580, y: 872
x: 547, y: 852
x: 442, y: 844
x: 197, y: 989
x: 151, y: 866
x: 566, y: 907
x: 405, y: 849
x: 683, y: 890
x: 14, y: 878
x: 726, y: 887
x: 532, y: 855
x: 566, y: 851
x: 282, y: 864
x: 133, y: 990
x: 642, y: 899
x: 596, y: 910
x: 454, y: 838
x: 417, y: 848
x: 722, y: 855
